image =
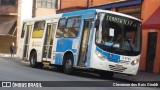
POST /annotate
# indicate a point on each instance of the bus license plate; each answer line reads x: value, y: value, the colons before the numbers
x: 119, y: 66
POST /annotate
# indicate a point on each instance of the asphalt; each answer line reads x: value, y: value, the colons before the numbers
x: 141, y: 75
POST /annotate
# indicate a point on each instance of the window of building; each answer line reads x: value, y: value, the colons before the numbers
x: 72, y: 27
x: 52, y: 4
x: 61, y: 27
x: 7, y: 2
x: 38, y: 29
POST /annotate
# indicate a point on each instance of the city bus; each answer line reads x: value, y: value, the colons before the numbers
x: 103, y: 41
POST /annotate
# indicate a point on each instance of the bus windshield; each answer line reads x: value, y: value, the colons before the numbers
x: 118, y: 34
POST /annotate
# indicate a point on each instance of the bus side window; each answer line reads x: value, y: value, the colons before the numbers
x: 23, y: 29
x: 72, y: 27
x: 61, y: 27
x: 38, y: 29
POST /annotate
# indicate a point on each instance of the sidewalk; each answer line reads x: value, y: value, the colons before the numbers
x: 7, y: 55
x: 141, y: 75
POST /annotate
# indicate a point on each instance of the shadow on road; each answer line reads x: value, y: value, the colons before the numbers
x: 84, y: 74
x: 91, y: 75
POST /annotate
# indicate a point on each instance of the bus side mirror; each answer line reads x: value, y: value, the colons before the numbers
x: 97, y: 22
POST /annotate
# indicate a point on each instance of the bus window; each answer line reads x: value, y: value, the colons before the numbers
x: 23, y: 30
x: 72, y: 27
x: 38, y: 29
x: 61, y: 27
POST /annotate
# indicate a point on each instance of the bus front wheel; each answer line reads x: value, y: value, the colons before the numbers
x: 33, y: 61
x: 68, y: 65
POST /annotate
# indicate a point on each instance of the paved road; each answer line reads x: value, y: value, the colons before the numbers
x: 14, y: 70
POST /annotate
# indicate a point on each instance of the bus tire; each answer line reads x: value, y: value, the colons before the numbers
x: 33, y: 61
x: 106, y: 74
x: 68, y: 65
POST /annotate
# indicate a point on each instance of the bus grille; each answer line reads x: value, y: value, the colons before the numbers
x: 113, y: 68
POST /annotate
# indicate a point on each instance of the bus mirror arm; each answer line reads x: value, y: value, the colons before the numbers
x: 97, y: 22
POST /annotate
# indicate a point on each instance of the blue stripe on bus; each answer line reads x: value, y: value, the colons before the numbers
x: 63, y: 45
x: 109, y: 56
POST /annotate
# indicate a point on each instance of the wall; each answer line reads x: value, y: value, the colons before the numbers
x: 7, y: 40
x: 148, y: 8
x: 24, y: 12
x: 101, y: 2
x: 83, y: 3
x: 8, y: 12
x: 73, y: 3
x: 26, y: 9
x: 44, y: 12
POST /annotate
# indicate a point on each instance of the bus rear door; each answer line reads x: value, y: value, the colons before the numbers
x: 27, y: 40
x: 48, y: 42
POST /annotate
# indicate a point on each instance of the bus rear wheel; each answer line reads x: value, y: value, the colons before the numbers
x: 68, y: 65
x: 33, y: 61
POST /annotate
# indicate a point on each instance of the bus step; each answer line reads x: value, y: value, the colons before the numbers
x: 81, y: 67
x: 46, y: 62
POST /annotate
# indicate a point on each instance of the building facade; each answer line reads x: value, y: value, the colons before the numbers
x: 34, y: 8
x: 150, y: 58
x: 73, y: 5
x: 8, y: 23
x: 13, y: 12
x: 45, y: 7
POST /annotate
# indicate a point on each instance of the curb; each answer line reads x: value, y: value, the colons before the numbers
x: 7, y: 55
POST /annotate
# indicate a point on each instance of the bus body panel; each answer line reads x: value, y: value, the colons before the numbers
x: 64, y: 45
x: 112, y: 62
x: 115, y: 63
x: 72, y: 44
x: 107, y: 65
x: 24, y: 38
x: 36, y: 44
x: 21, y: 47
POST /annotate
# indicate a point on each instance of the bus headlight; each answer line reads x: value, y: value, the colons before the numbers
x: 135, y: 62
x: 101, y: 56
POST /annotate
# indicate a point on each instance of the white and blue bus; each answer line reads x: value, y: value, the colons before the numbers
x: 92, y: 39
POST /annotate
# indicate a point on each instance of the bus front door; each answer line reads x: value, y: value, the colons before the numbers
x: 27, y: 40
x: 84, y: 42
x: 48, y: 41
